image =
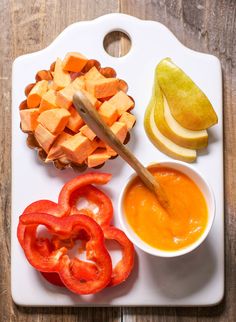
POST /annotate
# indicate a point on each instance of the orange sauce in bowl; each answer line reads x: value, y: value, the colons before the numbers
x: 185, y: 220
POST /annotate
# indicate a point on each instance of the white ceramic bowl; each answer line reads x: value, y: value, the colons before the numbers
x: 205, y: 189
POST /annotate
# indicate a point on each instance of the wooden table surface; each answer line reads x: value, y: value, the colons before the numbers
x: 207, y: 26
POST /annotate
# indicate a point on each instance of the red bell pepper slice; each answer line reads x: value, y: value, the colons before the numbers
x: 87, y: 270
x: 42, y: 206
x: 48, y: 207
x: 58, y: 260
x: 81, y: 181
x: 53, y: 278
x: 95, y: 196
x: 124, y: 267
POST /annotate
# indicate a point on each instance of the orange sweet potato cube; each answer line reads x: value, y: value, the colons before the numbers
x: 29, y: 119
x: 101, y: 144
x: 122, y: 102
x: 74, y: 62
x: 93, y: 74
x: 61, y: 78
x: 104, y: 87
x: 48, y: 101
x: 75, y: 121
x: 54, y: 120
x: 78, y: 148
x: 44, y: 137
x: 55, y: 151
x: 108, y: 113
x: 36, y: 93
x: 93, y: 100
x: 128, y: 119
x: 65, y: 96
x: 120, y: 130
x: 86, y: 131
x: 98, y: 157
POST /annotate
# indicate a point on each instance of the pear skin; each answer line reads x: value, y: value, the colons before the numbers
x: 160, y: 141
x: 168, y: 126
x: 188, y: 104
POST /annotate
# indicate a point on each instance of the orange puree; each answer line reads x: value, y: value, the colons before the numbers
x: 186, y: 218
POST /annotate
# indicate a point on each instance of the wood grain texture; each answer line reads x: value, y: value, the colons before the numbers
x: 207, y: 26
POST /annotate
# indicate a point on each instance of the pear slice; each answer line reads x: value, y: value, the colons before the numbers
x: 168, y: 126
x: 161, y: 142
x: 188, y: 104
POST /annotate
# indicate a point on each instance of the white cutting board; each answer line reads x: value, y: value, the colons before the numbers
x: 194, y: 279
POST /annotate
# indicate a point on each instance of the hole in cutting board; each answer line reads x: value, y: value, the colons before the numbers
x: 117, y: 43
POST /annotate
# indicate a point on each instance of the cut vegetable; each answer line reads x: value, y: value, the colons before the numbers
x: 29, y: 119
x: 74, y: 62
x: 54, y: 120
x: 122, y: 102
x: 86, y: 131
x: 52, y: 95
x: 93, y: 100
x: 36, y: 93
x: 108, y: 113
x: 128, y: 119
x: 65, y: 96
x: 55, y: 151
x: 61, y: 78
x: 98, y: 157
x: 120, y: 130
x: 93, y: 74
x: 78, y: 148
x: 102, y: 87
x: 48, y: 101
x: 44, y: 137
x: 75, y: 121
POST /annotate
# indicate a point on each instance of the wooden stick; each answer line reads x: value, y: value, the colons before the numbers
x: 99, y: 127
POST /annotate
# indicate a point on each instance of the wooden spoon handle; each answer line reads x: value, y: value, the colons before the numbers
x: 99, y: 127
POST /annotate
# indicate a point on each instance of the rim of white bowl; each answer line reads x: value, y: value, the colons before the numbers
x: 206, y: 191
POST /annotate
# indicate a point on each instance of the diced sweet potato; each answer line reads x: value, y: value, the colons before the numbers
x: 93, y: 74
x: 55, y: 151
x: 36, y: 93
x: 99, y: 156
x: 102, y: 87
x: 75, y: 121
x: 86, y: 131
x: 101, y: 144
x: 61, y: 78
x: 48, y: 101
x: 108, y: 113
x: 65, y: 96
x: 120, y: 130
x: 122, y: 102
x: 44, y: 137
x: 78, y: 148
x: 74, y: 62
x: 54, y: 120
x: 93, y: 100
x: 29, y: 119
x: 128, y: 119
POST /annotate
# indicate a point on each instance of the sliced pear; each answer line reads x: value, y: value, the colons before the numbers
x: 188, y: 104
x: 161, y: 142
x: 168, y: 126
